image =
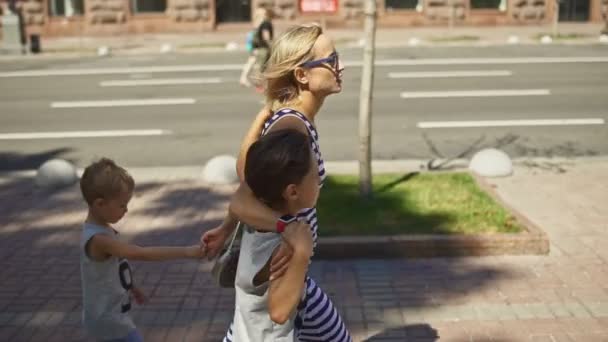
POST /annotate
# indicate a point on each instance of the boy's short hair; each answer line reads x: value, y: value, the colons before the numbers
x: 276, y: 160
x: 104, y: 179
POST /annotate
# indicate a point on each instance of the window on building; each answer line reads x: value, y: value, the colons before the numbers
x: 148, y: 6
x: 66, y: 8
x: 401, y: 4
x: 485, y: 4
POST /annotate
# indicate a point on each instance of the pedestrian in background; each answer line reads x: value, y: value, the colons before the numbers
x: 17, y: 9
x: 258, y: 45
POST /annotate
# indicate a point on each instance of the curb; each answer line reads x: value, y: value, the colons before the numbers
x: 193, y: 172
x: 533, y: 241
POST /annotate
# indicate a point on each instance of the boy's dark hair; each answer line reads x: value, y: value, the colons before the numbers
x: 104, y: 179
x: 276, y: 160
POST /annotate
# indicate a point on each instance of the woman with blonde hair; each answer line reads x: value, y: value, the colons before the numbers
x: 275, y: 303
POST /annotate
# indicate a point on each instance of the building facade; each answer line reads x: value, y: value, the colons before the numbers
x: 106, y: 17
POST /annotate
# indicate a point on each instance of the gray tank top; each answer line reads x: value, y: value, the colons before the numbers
x: 105, y: 286
x: 252, y: 321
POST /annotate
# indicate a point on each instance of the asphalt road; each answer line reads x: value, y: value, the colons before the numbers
x: 557, y: 105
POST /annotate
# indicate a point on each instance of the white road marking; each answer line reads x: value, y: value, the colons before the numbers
x: 449, y: 74
x: 238, y: 67
x: 474, y: 93
x: 123, y: 103
x: 124, y: 70
x: 510, y: 123
x: 159, y: 82
x: 83, y: 134
x: 474, y: 61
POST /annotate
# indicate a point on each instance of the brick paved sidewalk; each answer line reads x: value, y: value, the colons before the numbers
x: 560, y: 297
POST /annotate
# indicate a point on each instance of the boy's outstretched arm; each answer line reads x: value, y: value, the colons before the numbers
x: 105, y: 245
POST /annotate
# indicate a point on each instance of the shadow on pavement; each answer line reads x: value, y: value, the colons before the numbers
x: 39, y: 264
x: 16, y: 161
x: 411, y: 332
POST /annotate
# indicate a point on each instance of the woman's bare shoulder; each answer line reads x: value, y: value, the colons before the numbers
x: 289, y: 122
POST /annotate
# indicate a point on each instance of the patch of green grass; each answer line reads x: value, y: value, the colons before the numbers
x: 446, y: 39
x: 426, y: 203
x: 563, y: 36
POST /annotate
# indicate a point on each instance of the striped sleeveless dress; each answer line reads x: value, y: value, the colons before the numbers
x: 317, y: 319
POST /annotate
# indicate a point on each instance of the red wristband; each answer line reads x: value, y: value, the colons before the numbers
x: 283, y: 221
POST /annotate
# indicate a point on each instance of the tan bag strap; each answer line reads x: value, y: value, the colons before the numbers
x: 236, y: 230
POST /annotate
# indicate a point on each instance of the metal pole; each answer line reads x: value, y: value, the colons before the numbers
x: 365, y: 105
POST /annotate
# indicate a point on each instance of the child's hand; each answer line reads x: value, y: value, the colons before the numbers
x: 139, y: 296
x: 195, y: 251
x: 280, y: 261
x: 213, y: 241
x: 299, y: 236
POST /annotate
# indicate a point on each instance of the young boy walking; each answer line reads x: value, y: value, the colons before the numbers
x: 107, y: 284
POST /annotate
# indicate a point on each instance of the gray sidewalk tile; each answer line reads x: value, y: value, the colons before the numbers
x: 522, y: 311
x: 6, y: 317
x: 540, y: 310
x: 598, y: 309
x: 577, y: 310
x: 22, y: 318
x: 559, y: 310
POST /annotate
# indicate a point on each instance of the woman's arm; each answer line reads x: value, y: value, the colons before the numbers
x: 244, y: 204
x: 214, y: 239
x: 266, y: 36
x: 254, y: 132
x: 253, y: 212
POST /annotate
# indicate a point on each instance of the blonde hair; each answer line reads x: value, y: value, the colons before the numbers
x: 104, y: 179
x: 293, y: 48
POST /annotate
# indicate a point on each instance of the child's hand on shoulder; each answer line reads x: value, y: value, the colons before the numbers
x: 195, y: 251
x: 299, y: 236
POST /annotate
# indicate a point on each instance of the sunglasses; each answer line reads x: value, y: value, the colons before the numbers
x: 333, y: 60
